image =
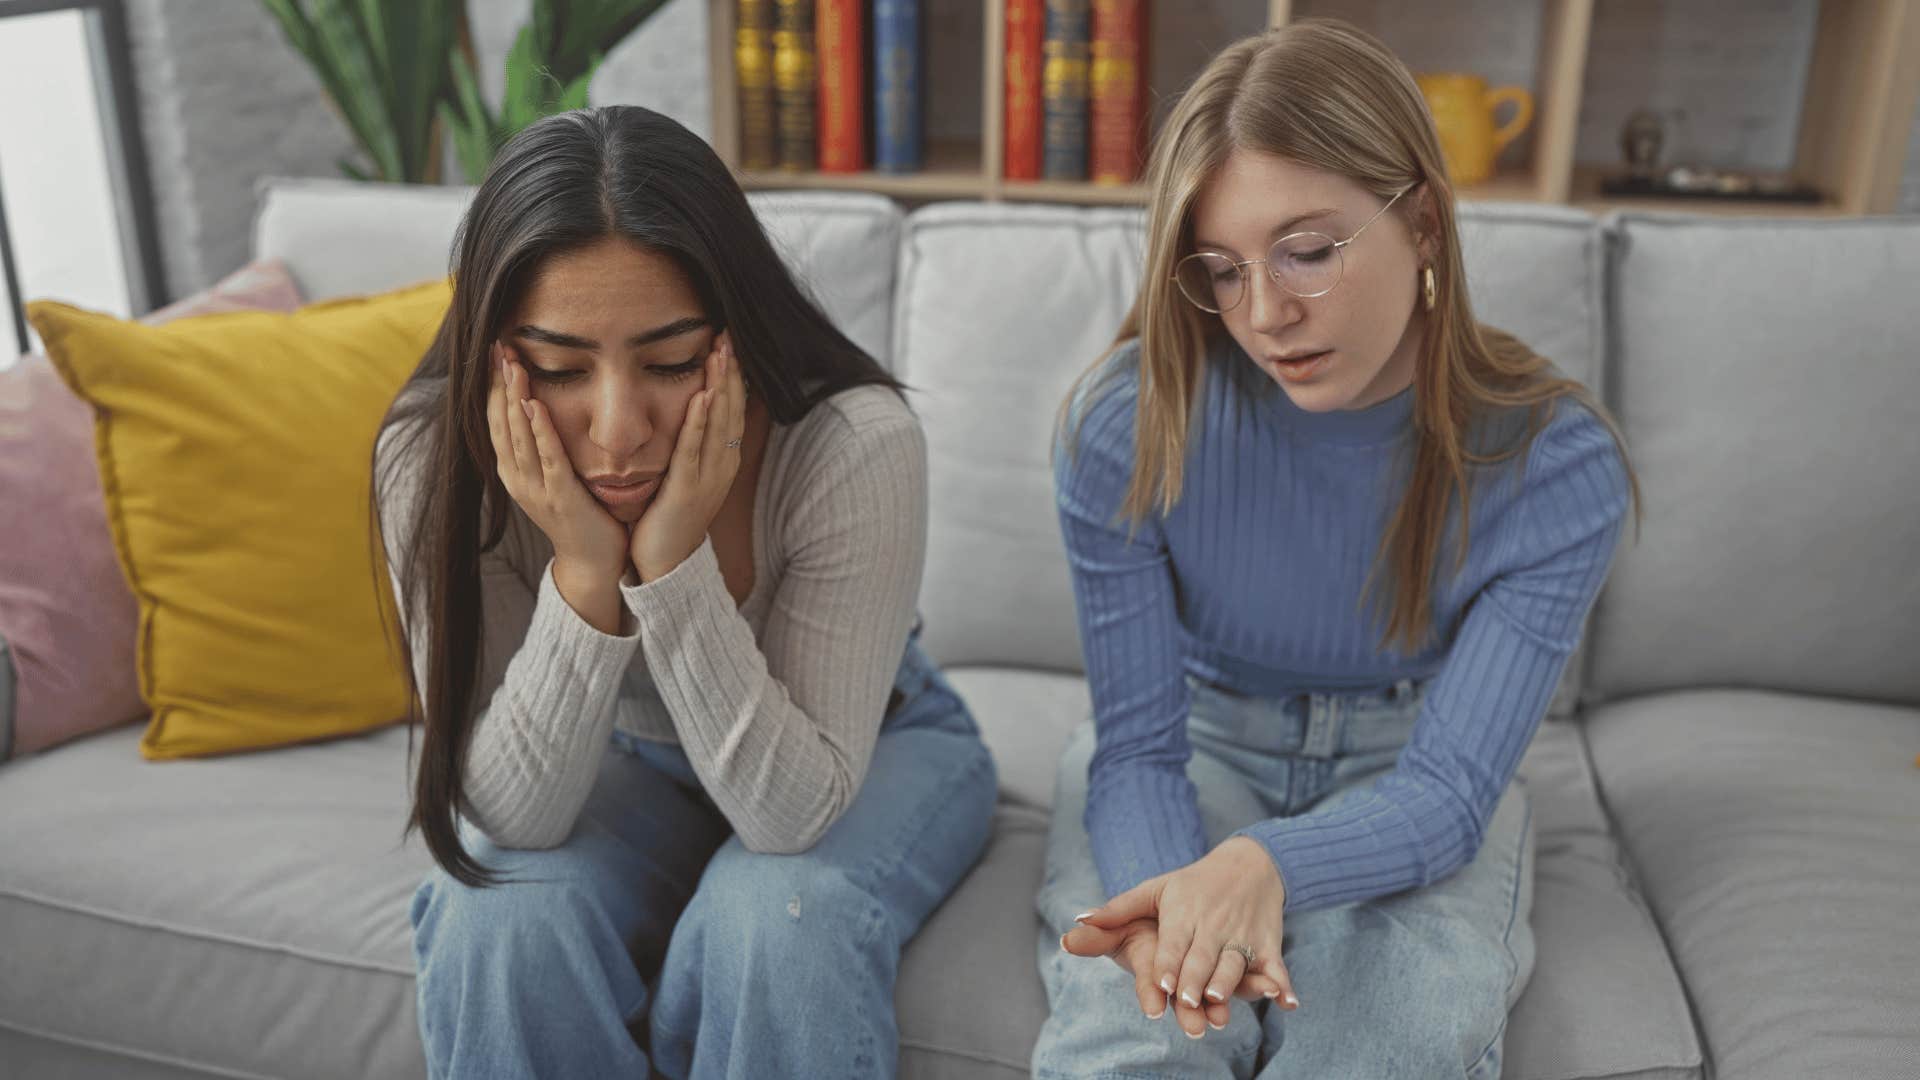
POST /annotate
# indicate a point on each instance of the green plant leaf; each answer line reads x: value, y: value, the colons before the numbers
x: 473, y: 127
x: 381, y: 63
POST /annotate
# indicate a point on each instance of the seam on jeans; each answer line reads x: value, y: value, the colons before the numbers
x: 1506, y: 939
x: 865, y: 875
x: 1641, y: 904
x: 129, y: 1052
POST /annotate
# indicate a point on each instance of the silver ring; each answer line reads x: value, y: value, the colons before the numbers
x: 1244, y: 950
x: 733, y: 444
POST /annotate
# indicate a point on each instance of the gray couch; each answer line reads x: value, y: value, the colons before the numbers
x: 1727, y: 803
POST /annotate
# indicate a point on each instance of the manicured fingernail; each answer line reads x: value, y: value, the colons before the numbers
x: 1193, y: 1034
x: 1292, y: 1002
x: 1158, y: 1015
x: 1083, y: 916
x: 1191, y: 1001
x: 1166, y: 984
x: 1216, y: 1027
x: 1215, y: 995
x: 1063, y: 943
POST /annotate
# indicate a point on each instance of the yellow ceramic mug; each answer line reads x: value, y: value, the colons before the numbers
x: 1463, y: 111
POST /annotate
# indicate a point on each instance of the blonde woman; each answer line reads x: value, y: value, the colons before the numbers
x: 1332, y: 543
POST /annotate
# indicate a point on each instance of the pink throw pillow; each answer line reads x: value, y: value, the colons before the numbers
x: 67, y: 619
x: 261, y: 286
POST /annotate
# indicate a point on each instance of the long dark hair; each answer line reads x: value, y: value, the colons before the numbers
x: 562, y: 184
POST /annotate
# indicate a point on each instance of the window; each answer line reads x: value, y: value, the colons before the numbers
x: 75, y: 213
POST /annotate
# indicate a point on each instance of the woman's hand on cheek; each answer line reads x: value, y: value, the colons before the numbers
x: 532, y: 464
x: 706, y: 458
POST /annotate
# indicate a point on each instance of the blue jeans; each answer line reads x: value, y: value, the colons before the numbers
x: 1415, y: 984
x: 653, y: 939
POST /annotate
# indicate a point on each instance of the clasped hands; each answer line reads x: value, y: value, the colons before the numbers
x: 1181, y: 936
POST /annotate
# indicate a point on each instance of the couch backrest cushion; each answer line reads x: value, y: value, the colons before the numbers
x: 999, y: 308
x: 342, y: 238
x: 1767, y: 374
x: 1539, y: 272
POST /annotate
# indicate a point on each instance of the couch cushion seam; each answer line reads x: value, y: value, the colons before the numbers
x: 971, y: 1055
x: 128, y: 1052
x: 206, y: 935
x: 1644, y: 906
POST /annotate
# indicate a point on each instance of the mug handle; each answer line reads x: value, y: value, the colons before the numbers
x: 1522, y: 114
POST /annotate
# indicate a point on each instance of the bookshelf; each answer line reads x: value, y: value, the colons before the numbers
x: 1856, y: 112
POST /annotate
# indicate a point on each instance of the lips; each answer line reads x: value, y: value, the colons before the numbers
x: 1301, y: 365
x: 627, y: 493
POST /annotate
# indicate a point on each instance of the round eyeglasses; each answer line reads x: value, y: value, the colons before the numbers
x: 1305, y: 264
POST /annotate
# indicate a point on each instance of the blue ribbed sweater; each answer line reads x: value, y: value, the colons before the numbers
x: 1254, y: 582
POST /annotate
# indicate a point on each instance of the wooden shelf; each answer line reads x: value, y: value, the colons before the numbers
x: 1513, y: 186
x: 1858, y: 109
x: 1073, y: 191
x: 952, y: 171
x: 1586, y: 195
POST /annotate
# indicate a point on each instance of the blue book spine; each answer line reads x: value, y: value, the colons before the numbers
x: 896, y: 85
x: 1064, y: 73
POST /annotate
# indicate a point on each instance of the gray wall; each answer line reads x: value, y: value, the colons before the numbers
x: 224, y: 101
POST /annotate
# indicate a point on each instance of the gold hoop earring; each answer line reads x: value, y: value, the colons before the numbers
x: 1426, y: 282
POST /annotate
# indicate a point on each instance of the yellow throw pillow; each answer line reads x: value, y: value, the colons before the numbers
x: 234, y: 453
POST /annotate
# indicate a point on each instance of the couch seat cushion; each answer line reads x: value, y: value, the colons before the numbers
x: 244, y: 915
x: 1777, y: 839
x: 247, y: 916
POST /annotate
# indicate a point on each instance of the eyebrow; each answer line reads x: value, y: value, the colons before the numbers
x: 573, y: 341
x: 1277, y: 231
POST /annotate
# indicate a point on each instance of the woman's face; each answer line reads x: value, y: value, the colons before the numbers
x: 1366, y: 332
x: 613, y: 340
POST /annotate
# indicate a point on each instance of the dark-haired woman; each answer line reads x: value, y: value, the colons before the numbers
x: 657, y: 530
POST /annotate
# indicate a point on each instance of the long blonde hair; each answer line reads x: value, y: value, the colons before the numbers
x: 1323, y: 94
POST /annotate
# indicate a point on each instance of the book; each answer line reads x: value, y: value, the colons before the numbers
x: 1025, y: 26
x: 1064, y: 90
x: 1116, y: 91
x: 896, y: 85
x: 842, y: 99
x: 753, y: 73
x: 793, y: 78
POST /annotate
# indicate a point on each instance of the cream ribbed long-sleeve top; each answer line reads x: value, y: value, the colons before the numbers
x: 777, y: 702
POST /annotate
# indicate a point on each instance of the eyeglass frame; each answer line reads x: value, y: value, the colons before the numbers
x: 1338, y: 246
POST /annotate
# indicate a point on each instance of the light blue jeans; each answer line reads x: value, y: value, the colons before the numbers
x: 1416, y: 984
x: 652, y: 939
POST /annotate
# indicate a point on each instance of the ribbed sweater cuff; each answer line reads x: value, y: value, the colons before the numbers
x: 1143, y: 823
x: 1326, y: 863
x: 542, y: 748
x: 683, y: 596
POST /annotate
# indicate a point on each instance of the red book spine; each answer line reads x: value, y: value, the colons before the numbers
x: 1026, y: 26
x: 842, y: 99
x: 1117, y: 90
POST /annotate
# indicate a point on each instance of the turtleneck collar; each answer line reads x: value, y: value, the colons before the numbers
x: 1377, y: 423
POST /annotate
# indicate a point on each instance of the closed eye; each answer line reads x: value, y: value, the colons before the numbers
x: 542, y: 375
x: 563, y: 376
x: 678, y: 371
